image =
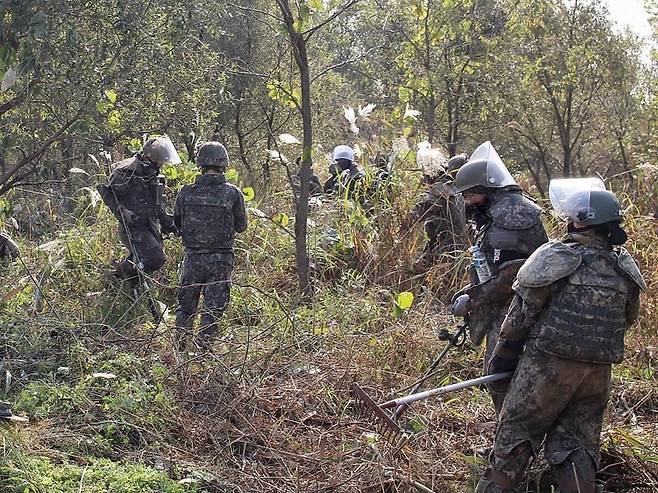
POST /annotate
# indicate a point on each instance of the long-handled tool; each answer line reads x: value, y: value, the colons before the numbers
x: 454, y: 340
x: 384, y: 423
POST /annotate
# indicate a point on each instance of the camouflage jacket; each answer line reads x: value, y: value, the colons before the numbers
x: 208, y: 213
x: 576, y: 297
x: 138, y: 187
x: 440, y: 205
x: 513, y: 231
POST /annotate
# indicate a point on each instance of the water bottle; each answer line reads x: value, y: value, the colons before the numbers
x: 480, y: 264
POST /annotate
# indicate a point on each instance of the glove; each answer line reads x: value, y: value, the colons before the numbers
x: 461, y: 305
x: 128, y: 216
x: 505, y: 356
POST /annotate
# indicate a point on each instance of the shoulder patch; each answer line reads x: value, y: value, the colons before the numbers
x: 514, y: 211
x: 549, y: 263
x: 626, y: 263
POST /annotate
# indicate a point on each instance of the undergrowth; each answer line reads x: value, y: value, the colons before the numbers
x: 112, y: 408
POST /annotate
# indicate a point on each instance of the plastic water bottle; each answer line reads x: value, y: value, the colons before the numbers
x: 480, y: 264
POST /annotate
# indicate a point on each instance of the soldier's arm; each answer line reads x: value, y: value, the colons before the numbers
x: 633, y: 305
x: 178, y: 210
x: 117, y: 186
x: 239, y: 214
x: 524, y: 311
x: 498, y: 288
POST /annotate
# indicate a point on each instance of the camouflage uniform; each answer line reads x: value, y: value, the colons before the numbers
x: 208, y: 214
x: 445, y: 222
x: 136, y: 186
x: 509, y: 231
x: 574, y: 301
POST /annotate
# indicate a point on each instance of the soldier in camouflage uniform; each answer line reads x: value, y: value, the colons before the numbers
x: 508, y: 230
x: 208, y: 214
x: 135, y: 196
x: 441, y: 209
x: 574, y: 300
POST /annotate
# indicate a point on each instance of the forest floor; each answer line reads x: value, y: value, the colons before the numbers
x: 113, y: 408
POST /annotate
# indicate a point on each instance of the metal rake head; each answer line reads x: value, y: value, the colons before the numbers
x: 383, y: 423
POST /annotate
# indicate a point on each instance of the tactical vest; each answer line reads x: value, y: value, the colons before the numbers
x: 207, y: 221
x: 138, y: 192
x: 586, y: 318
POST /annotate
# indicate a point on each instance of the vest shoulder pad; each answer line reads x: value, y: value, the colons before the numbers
x: 626, y: 263
x: 125, y: 165
x: 514, y: 211
x: 549, y: 263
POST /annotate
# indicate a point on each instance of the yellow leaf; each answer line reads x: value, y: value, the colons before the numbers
x: 249, y: 194
x: 404, y: 300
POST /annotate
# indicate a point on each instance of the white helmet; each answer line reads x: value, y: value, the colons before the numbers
x: 343, y: 152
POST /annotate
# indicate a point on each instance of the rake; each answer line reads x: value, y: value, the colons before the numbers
x: 454, y: 340
x: 386, y: 426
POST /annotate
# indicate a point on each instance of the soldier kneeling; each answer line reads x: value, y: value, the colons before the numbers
x: 208, y: 213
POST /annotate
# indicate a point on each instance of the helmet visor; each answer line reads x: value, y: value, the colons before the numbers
x: 497, y: 174
x: 570, y: 198
x: 163, y: 151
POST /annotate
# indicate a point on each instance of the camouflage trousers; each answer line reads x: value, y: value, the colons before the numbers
x: 210, y: 274
x: 144, y: 246
x: 485, y: 323
x: 560, y: 401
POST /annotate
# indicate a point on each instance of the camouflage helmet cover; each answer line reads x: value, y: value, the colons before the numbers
x: 212, y: 154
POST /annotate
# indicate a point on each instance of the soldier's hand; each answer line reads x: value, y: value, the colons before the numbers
x: 505, y: 357
x: 461, y: 305
x: 129, y: 217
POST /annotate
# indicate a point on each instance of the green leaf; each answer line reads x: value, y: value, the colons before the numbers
x: 249, y: 194
x: 316, y: 4
x: 111, y: 95
x: 404, y: 300
x: 170, y: 172
x: 231, y: 175
x: 281, y: 218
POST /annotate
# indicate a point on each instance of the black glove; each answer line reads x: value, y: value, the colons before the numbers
x: 505, y: 356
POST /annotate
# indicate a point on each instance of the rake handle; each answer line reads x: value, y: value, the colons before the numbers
x: 405, y: 401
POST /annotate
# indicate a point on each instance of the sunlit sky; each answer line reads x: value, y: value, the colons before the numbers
x: 630, y: 13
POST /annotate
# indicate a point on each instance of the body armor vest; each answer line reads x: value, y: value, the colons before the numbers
x: 586, y: 317
x: 137, y: 191
x: 208, y: 221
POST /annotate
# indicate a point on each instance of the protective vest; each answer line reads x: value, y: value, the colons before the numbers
x: 513, y: 232
x: 208, y: 221
x: 136, y: 188
x: 585, y: 319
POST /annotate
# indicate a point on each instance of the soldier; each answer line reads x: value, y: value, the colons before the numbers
x: 134, y: 194
x: 574, y: 300
x: 440, y: 208
x: 508, y: 230
x: 345, y: 174
x: 208, y: 214
x: 8, y: 248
